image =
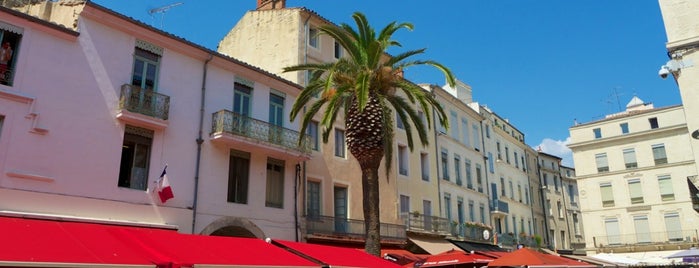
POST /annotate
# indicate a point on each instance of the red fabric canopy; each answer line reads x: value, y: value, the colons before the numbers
x: 532, y: 258
x: 402, y: 256
x: 49, y: 243
x: 453, y: 257
x: 336, y: 256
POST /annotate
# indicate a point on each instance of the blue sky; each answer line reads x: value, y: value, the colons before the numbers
x: 539, y: 63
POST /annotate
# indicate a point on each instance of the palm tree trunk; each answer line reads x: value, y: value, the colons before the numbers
x: 370, y: 199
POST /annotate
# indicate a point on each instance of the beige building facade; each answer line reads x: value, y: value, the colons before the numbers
x: 631, y: 170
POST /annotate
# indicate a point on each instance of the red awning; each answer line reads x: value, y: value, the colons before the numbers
x: 335, y: 256
x: 453, y: 257
x: 199, y: 250
x: 402, y: 256
x: 49, y: 243
x: 532, y: 258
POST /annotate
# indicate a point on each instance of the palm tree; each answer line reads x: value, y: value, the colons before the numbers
x: 365, y: 85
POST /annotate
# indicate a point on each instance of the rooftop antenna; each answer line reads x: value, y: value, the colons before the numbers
x: 162, y: 11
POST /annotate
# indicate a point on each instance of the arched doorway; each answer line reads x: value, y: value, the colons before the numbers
x: 233, y: 226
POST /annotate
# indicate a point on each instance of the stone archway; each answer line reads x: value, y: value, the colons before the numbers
x: 233, y: 226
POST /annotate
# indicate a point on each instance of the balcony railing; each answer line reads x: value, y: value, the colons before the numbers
x: 332, y: 226
x: 683, y: 236
x: 512, y: 240
x: 144, y: 101
x: 425, y: 223
x: 499, y: 206
x: 227, y: 122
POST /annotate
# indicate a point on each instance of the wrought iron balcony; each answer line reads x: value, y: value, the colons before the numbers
x: 512, y: 240
x: 417, y: 222
x: 143, y: 107
x: 499, y: 206
x: 144, y: 101
x: 238, y: 129
x: 651, y: 238
x: 327, y: 226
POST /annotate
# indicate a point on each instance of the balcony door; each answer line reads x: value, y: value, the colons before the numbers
x: 427, y: 211
x: 144, y: 77
x: 276, y: 117
x: 241, y: 108
x: 340, y: 209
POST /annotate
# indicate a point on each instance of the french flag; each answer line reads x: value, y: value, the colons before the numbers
x: 163, y: 187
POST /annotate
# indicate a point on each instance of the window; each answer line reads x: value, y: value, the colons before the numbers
x: 241, y: 99
x: 460, y: 212
x: 519, y: 192
x: 464, y: 133
x: 238, y: 176
x: 399, y: 122
x: 476, y: 137
x: 555, y: 183
x: 453, y: 123
x: 447, y: 206
x: 548, y: 207
x: 481, y: 209
x: 479, y: 178
x: 457, y: 169
x: 135, y: 158
x: 516, y: 160
x: 445, y: 165
x: 471, y: 211
x: 402, y: 160
x: 659, y: 154
x: 624, y: 128
x: 571, y: 194
x: 340, y: 143
x: 145, y: 69
x: 338, y: 50
x: 469, y: 176
x: 404, y: 204
x: 597, y: 132
x: 497, y: 146
x: 635, y: 191
x: 274, y: 197
x: 276, y: 117
x: 642, y: 228
x: 560, y: 209
x: 665, y: 186
x: 425, y: 166
x: 576, y: 224
x: 507, y: 154
x: 546, y: 180
x: 313, y: 38
x: 421, y: 115
x: 601, y: 160
x: 512, y: 190
x: 653, y: 122
x: 312, y: 132
x: 607, y: 194
x: 491, y: 164
x: 673, y: 226
x: 503, y: 192
x: 526, y: 196
x: 313, y: 199
x: 630, y: 158
x: 487, y: 131
x: 10, y: 42
x: 612, y: 227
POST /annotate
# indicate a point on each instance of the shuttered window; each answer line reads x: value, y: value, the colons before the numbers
x: 607, y: 194
x: 665, y: 187
x: 635, y: 191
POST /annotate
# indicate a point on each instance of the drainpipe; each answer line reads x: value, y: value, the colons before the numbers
x: 297, y: 178
x: 199, y: 141
x: 529, y: 186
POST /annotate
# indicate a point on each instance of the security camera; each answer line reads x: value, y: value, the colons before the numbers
x: 664, y: 71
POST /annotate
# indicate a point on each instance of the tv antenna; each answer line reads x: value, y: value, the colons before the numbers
x: 161, y: 10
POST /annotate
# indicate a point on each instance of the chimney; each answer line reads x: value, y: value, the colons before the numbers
x: 270, y: 4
